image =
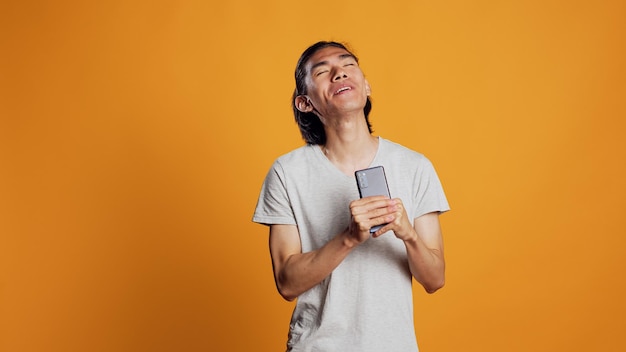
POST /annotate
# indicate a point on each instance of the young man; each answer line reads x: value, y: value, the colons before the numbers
x: 353, y: 288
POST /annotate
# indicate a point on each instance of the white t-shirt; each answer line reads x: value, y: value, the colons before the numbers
x: 366, y: 303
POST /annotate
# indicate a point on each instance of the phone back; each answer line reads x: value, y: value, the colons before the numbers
x: 372, y: 182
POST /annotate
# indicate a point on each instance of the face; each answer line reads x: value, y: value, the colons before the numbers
x: 335, y: 84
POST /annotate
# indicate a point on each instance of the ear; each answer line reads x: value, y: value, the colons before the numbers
x: 368, y: 89
x: 303, y: 103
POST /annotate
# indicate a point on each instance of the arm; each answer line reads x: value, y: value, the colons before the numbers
x: 424, y: 245
x: 296, y: 272
x: 425, y: 252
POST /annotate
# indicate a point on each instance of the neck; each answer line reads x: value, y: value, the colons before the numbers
x: 349, y: 145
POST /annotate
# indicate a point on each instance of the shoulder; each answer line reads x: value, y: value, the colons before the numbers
x: 296, y: 159
x: 395, y: 151
x: 297, y: 155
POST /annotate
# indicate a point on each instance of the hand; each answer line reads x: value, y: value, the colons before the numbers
x: 368, y: 212
x: 399, y: 223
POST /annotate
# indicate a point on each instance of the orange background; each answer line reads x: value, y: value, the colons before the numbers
x: 134, y: 137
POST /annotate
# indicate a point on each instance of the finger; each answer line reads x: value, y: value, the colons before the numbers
x: 389, y: 222
x: 365, y: 200
x: 370, y: 204
x: 374, y: 198
x: 382, y: 230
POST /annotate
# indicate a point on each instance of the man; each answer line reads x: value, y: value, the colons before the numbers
x: 353, y: 288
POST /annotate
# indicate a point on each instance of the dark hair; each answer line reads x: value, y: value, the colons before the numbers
x: 311, y: 127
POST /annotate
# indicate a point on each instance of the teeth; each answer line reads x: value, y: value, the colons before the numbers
x: 342, y: 89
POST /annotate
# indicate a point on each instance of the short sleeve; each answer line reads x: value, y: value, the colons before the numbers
x: 429, y: 196
x: 273, y: 205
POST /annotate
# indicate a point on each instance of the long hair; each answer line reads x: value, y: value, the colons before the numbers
x: 311, y: 127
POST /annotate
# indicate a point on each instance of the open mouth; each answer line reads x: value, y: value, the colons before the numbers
x: 342, y: 89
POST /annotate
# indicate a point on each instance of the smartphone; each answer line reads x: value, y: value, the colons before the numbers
x: 372, y: 182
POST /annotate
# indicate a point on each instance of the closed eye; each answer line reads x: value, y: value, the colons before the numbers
x: 349, y: 60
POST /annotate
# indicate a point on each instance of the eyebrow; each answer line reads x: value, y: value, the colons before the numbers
x: 341, y: 57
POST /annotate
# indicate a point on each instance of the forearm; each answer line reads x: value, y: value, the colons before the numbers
x: 427, y: 264
x: 301, y: 272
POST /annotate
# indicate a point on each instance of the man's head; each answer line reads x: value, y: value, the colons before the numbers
x: 343, y: 64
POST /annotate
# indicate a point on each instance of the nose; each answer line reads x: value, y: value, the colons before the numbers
x: 339, y: 75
